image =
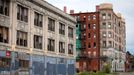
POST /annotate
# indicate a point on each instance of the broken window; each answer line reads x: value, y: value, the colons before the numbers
x: 51, y: 45
x: 37, y: 41
x: 4, y: 34
x: 70, y: 32
x: 21, y: 38
x: 70, y: 48
x: 61, y: 29
x: 38, y: 19
x: 51, y: 24
x: 22, y: 13
x: 4, y: 7
x: 62, y: 47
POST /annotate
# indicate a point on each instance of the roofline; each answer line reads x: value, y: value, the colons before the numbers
x: 50, y: 7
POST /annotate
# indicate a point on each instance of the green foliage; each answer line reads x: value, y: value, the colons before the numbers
x: 106, y: 68
x: 83, y: 73
x: 91, y: 73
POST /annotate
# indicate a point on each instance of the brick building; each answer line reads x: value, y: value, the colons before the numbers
x: 87, y: 41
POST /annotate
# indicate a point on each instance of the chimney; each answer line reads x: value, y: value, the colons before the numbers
x: 71, y: 11
x: 97, y: 8
x: 65, y: 9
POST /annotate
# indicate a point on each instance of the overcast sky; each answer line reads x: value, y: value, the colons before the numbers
x: 125, y: 7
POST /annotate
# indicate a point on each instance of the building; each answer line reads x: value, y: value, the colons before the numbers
x: 129, y: 62
x: 87, y: 41
x: 100, y: 39
x: 112, y: 37
x: 36, y: 38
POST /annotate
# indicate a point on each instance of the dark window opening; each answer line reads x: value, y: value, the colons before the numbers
x: 38, y: 19
x: 70, y: 49
x: 4, y: 34
x: 22, y: 13
x: 70, y: 32
x: 51, y: 45
x: 37, y: 42
x: 61, y: 29
x: 61, y: 47
x: 4, y: 7
x: 22, y: 38
x: 51, y: 24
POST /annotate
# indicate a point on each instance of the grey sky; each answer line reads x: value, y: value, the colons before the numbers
x: 125, y: 7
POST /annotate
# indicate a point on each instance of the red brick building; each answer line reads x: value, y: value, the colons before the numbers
x: 89, y: 56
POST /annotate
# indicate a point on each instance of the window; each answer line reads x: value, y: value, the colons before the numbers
x: 89, y: 45
x: 89, y: 36
x: 89, y: 17
x: 70, y: 32
x: 104, y: 25
x: 94, y: 17
x: 5, y: 62
x: 78, y: 18
x: 70, y: 49
x: 94, y: 26
x: 110, y: 43
x: 94, y: 53
x: 84, y: 26
x: 38, y: 19
x: 103, y: 16
x: 51, y: 45
x: 94, y: 45
x: 104, y: 34
x: 104, y: 44
x: 76, y: 26
x: 22, y: 13
x: 61, y: 47
x: 84, y: 44
x: 23, y: 63
x: 94, y: 35
x: 4, y: 7
x: 37, y: 42
x: 109, y: 25
x: 109, y: 16
x: 84, y: 17
x: 84, y: 35
x: 4, y: 34
x: 21, y: 38
x: 88, y: 26
x: 61, y: 29
x: 51, y: 24
x: 109, y: 34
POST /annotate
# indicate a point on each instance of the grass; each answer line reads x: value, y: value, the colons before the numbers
x: 96, y: 73
x: 91, y: 73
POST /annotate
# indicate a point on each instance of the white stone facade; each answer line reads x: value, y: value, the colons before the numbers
x: 113, y: 37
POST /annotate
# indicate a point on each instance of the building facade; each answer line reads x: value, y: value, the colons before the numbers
x: 36, y: 38
x: 112, y: 37
x: 87, y: 41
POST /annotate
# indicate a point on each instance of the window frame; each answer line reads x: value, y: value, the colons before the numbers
x: 61, y: 28
x: 70, y: 32
x: 51, y: 24
x: 70, y: 49
x: 61, y: 47
x: 22, y: 38
x: 38, y: 19
x: 51, y: 45
x: 22, y: 13
x: 38, y: 44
